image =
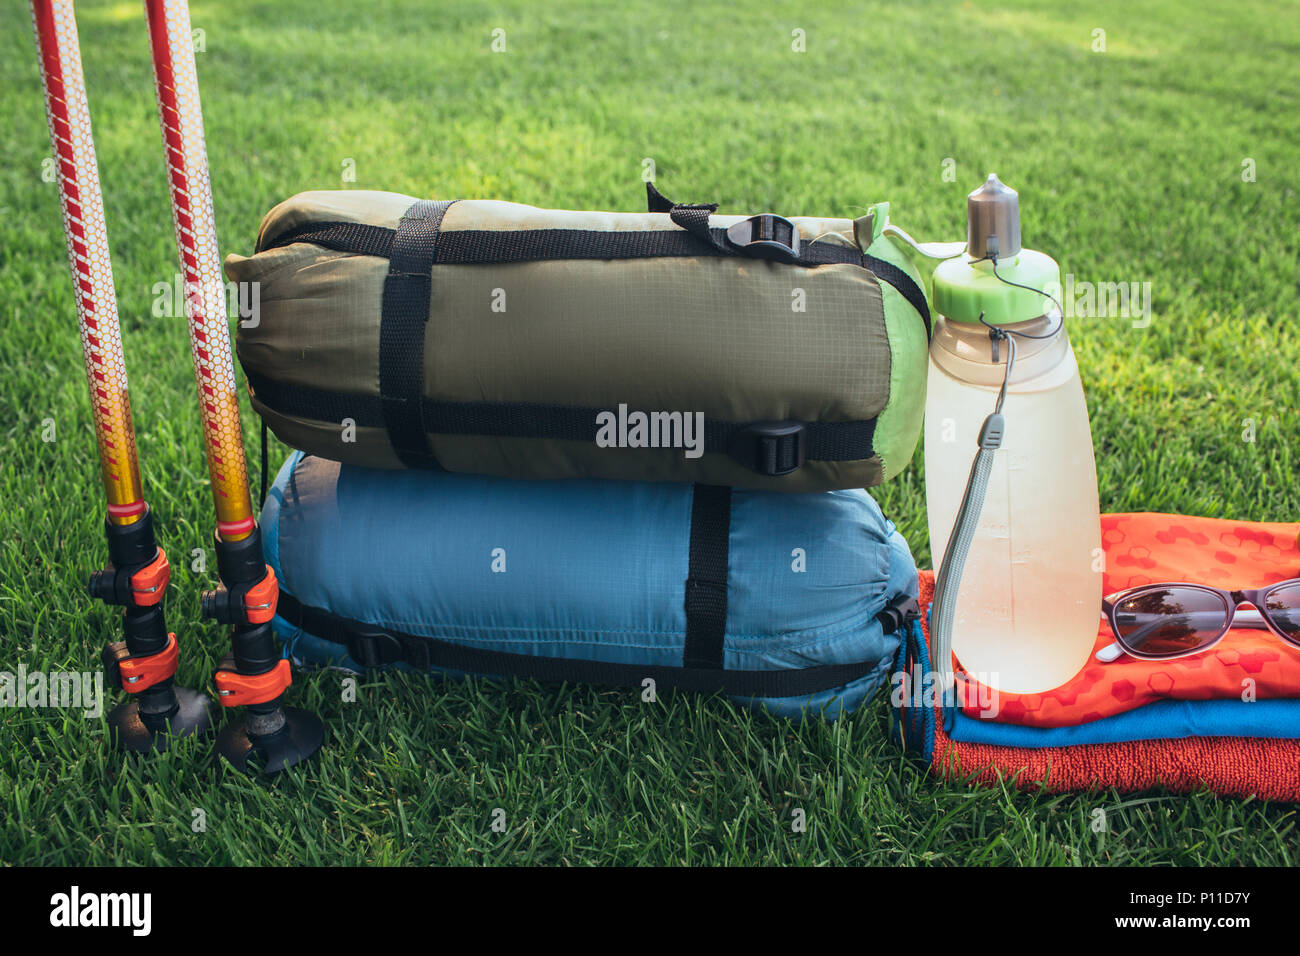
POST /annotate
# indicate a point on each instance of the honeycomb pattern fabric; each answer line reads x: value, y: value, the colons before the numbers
x: 87, y: 241
x: 196, y: 237
x: 1153, y: 548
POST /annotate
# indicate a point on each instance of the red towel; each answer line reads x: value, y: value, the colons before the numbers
x: 1232, y: 766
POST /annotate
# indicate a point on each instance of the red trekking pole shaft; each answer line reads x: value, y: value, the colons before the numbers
x: 254, y: 674
x: 136, y: 579
x: 92, y: 273
x: 177, y: 87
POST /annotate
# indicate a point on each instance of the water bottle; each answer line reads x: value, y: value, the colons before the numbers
x: 1029, y: 596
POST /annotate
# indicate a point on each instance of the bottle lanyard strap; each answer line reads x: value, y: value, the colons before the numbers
x: 947, y: 585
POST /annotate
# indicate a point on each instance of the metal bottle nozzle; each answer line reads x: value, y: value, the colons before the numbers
x: 993, y: 220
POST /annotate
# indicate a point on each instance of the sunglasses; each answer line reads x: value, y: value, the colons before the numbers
x: 1159, y: 622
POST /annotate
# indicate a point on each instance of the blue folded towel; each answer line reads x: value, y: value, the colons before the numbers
x: 1166, y: 718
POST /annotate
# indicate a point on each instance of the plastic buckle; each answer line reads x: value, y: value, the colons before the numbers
x: 770, y: 448
x: 237, y: 690
x: 766, y: 236
x: 373, y: 648
x: 898, y: 613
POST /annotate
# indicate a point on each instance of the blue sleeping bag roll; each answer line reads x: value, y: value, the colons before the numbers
x: 789, y: 602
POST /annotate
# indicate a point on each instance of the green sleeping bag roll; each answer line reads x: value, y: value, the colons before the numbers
x: 672, y: 345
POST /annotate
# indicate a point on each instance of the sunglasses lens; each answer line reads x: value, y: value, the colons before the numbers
x: 1166, y: 622
x: 1284, y: 609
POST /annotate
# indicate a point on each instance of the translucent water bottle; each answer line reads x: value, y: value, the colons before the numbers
x: 1029, y: 598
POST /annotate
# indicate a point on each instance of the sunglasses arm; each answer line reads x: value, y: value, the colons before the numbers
x: 1114, y: 651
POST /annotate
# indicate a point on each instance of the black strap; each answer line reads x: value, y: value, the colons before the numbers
x: 354, y: 237
x: 694, y: 218
x: 496, y: 246
x: 489, y: 246
x: 823, y: 441
x: 656, y: 201
x: 706, y: 583
x: 404, y: 316
x: 476, y: 247
x: 372, y: 647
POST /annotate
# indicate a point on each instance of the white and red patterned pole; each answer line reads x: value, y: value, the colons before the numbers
x: 177, y: 85
x: 87, y: 240
x: 255, y: 675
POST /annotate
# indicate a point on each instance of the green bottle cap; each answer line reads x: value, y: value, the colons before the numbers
x: 964, y: 288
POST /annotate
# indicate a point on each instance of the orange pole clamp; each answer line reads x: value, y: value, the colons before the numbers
x: 261, y: 599
x: 236, y: 690
x: 149, y: 584
x: 141, y: 673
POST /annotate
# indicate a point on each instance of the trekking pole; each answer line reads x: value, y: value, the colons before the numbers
x: 144, y: 662
x: 254, y: 674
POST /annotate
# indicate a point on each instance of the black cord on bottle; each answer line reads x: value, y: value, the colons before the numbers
x: 993, y: 257
x: 999, y: 334
x: 1027, y: 288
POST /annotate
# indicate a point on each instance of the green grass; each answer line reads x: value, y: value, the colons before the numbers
x: 1129, y: 167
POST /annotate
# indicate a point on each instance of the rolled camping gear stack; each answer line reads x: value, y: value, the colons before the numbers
x: 705, y: 398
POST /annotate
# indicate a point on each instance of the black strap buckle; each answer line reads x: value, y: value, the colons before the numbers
x: 373, y: 648
x: 766, y: 236
x: 900, y: 610
x: 770, y: 448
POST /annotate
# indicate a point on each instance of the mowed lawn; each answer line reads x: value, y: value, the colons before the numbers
x: 1169, y: 158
